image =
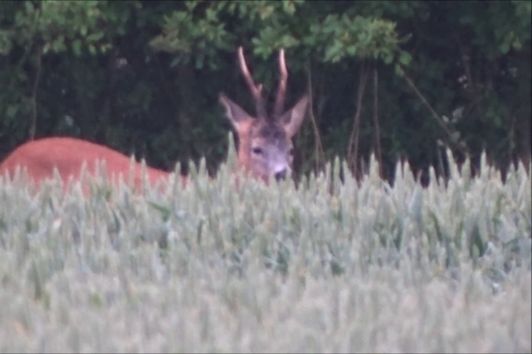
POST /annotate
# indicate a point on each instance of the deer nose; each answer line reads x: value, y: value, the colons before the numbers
x: 279, y: 175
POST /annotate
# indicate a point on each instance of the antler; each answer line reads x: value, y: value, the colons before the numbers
x: 256, y: 90
x: 281, y: 89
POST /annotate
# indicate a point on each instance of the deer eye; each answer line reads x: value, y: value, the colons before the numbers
x: 257, y: 150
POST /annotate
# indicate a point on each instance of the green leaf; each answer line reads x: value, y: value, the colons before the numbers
x: 11, y: 111
x: 398, y: 70
x: 76, y: 47
x: 405, y: 58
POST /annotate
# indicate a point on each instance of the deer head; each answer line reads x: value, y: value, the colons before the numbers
x: 265, y: 141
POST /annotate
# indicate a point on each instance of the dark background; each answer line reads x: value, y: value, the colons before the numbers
x: 405, y: 80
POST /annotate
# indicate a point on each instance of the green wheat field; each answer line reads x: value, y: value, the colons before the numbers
x: 329, y: 265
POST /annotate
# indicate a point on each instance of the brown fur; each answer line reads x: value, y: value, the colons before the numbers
x: 68, y: 155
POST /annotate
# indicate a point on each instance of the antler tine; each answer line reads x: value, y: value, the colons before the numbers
x: 256, y: 90
x: 281, y: 89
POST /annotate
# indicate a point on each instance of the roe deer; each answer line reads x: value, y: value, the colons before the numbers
x: 264, y: 150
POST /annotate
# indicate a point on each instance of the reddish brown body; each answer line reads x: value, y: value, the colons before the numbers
x: 67, y: 155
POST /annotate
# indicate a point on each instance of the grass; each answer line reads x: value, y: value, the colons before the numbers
x: 327, y: 266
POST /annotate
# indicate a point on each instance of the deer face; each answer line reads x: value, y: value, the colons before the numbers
x: 270, y: 151
x: 265, y: 145
x: 265, y: 142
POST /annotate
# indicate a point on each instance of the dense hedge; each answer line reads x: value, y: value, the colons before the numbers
x: 402, y: 79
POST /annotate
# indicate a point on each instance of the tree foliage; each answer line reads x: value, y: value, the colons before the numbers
x: 401, y: 79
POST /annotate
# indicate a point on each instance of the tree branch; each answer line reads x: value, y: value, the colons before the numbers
x: 435, y: 115
x: 378, y: 150
x: 352, y: 147
x: 33, y: 98
x: 319, y: 154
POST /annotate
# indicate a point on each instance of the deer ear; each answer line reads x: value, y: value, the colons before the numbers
x: 292, y: 119
x: 234, y: 112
